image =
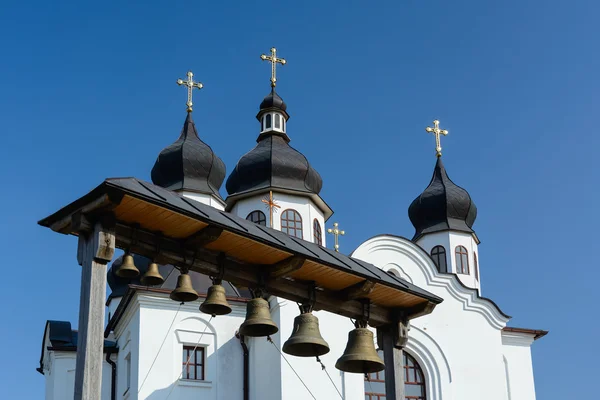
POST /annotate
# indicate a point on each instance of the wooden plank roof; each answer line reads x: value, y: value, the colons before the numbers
x: 152, y: 208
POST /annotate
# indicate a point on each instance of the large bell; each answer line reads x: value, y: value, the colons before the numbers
x: 127, y: 269
x: 216, y: 302
x: 152, y: 277
x: 360, y: 355
x: 306, y: 340
x: 258, y: 321
x: 184, y: 292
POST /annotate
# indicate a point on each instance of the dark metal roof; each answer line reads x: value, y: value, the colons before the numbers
x: 443, y: 205
x: 62, y: 338
x: 166, y: 199
x: 273, y: 101
x: 189, y: 164
x: 200, y: 282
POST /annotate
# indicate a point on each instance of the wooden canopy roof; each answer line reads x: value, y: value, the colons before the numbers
x: 155, y: 222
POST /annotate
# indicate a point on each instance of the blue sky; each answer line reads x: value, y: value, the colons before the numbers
x: 87, y: 91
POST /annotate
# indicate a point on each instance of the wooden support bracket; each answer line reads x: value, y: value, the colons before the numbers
x: 359, y: 290
x: 286, y: 267
x: 203, y: 237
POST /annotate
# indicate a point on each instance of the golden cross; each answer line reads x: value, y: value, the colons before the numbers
x: 274, y: 60
x: 336, y: 232
x: 190, y: 86
x: 271, y: 205
x: 437, y: 132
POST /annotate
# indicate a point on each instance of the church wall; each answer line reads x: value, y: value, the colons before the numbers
x: 160, y: 318
x: 463, y: 334
x: 518, y: 366
x: 204, y: 199
x: 303, y: 205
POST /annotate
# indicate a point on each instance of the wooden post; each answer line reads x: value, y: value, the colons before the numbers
x: 392, y: 338
x: 95, y: 249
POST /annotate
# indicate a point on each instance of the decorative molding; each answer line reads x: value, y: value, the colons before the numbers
x: 467, y: 296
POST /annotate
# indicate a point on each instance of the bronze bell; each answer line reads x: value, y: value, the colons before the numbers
x: 127, y: 269
x: 360, y: 355
x: 306, y: 340
x: 258, y: 321
x: 152, y: 277
x: 184, y: 292
x: 216, y: 302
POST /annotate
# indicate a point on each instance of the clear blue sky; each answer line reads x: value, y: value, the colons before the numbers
x: 87, y: 91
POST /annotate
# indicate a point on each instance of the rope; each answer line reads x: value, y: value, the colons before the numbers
x: 288, y: 363
x: 329, y: 376
x: 189, y: 357
x: 160, y: 348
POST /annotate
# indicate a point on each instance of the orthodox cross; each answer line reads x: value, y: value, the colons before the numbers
x: 190, y: 86
x: 271, y: 205
x: 437, y: 132
x: 336, y: 232
x: 274, y: 60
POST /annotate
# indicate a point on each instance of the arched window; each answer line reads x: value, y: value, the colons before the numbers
x: 475, y: 266
x: 262, y: 124
x: 438, y: 253
x: 258, y: 217
x: 268, y: 121
x: 277, y: 121
x: 414, y: 382
x: 462, y: 260
x: 291, y: 223
x: 283, y: 124
x: 317, y: 233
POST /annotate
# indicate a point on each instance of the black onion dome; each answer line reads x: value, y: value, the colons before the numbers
x: 119, y: 286
x: 189, y: 164
x: 272, y: 100
x: 442, y: 206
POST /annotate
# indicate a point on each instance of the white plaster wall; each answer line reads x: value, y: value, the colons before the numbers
x: 304, y: 205
x: 60, y: 378
x: 204, y: 199
x: 450, y: 240
x: 459, y: 345
x: 518, y: 366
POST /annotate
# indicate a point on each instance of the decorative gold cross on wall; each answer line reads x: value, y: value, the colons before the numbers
x: 336, y: 232
x: 190, y: 86
x: 274, y: 60
x: 437, y: 132
x: 271, y: 205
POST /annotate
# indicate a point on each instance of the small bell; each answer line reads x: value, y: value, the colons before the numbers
x: 152, y: 277
x: 258, y: 321
x: 216, y: 301
x: 306, y: 339
x: 360, y: 355
x: 184, y: 292
x: 127, y: 269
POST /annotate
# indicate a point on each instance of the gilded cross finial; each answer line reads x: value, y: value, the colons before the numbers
x: 437, y: 132
x: 274, y: 60
x: 336, y: 232
x: 190, y: 86
x: 271, y: 204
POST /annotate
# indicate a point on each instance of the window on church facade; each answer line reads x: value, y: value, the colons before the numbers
x: 267, y: 121
x: 414, y: 382
x: 438, y: 253
x: 258, y: 217
x: 475, y: 266
x: 193, y: 363
x: 462, y: 260
x: 277, y: 121
x: 291, y: 223
x: 317, y: 233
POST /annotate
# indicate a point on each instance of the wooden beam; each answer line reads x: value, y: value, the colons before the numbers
x: 206, y: 262
x: 94, y: 250
x: 286, y: 267
x: 359, y: 290
x: 392, y: 338
x: 103, y: 203
x: 203, y: 237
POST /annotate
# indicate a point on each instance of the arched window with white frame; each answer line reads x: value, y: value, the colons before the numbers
x: 414, y: 381
x: 291, y: 223
x: 462, y: 260
x: 438, y: 254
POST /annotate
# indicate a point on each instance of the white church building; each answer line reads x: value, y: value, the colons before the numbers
x: 159, y: 349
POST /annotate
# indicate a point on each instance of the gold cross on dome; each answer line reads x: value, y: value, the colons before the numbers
x: 336, y: 232
x: 274, y: 60
x: 437, y: 132
x: 190, y: 86
x: 271, y: 205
